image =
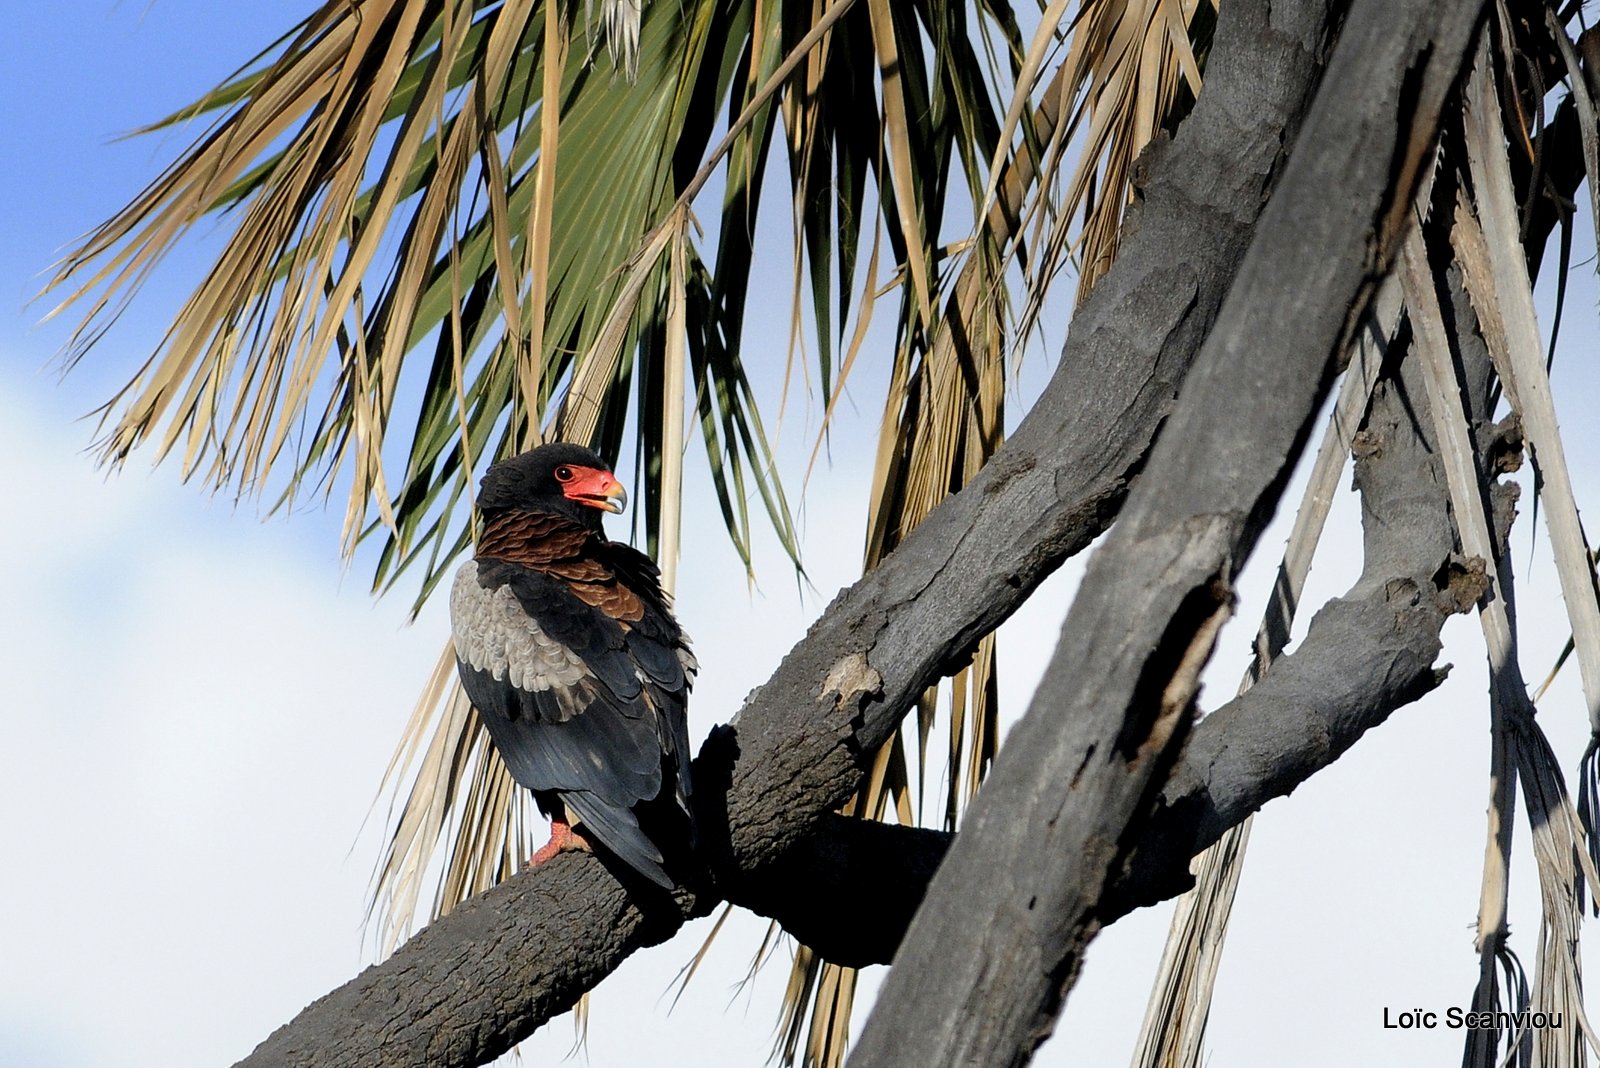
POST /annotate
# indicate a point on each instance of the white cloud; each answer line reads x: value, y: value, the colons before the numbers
x: 197, y: 722
x: 200, y: 716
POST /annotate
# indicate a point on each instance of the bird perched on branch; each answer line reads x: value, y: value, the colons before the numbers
x: 567, y: 646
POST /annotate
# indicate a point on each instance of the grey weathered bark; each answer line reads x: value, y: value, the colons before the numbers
x: 472, y: 985
x: 1364, y: 655
x: 1392, y: 616
x: 1074, y: 786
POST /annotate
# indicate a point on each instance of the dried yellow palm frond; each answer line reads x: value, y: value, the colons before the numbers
x: 1502, y: 294
x: 1132, y: 69
x: 1495, y: 274
x: 1174, y: 1026
x: 899, y: 151
x: 675, y: 360
x: 1519, y: 747
x: 463, y: 824
x: 1022, y: 99
x: 451, y: 757
x: 1453, y: 436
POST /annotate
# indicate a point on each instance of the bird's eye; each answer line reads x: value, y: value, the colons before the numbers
x: 563, y: 474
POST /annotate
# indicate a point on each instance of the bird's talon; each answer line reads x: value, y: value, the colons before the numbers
x: 563, y: 839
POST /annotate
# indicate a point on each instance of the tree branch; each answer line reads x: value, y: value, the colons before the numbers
x: 472, y: 984
x: 1364, y: 655
x: 884, y: 870
x: 1079, y: 775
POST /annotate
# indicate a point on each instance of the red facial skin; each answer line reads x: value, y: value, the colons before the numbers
x: 594, y: 487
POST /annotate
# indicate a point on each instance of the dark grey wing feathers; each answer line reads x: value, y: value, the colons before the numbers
x: 576, y: 705
x: 619, y: 829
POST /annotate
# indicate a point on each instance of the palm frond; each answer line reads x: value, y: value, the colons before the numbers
x: 1452, y: 434
x: 1495, y: 272
x: 420, y: 128
x: 1180, y: 1000
x: 1132, y: 69
x: 1519, y: 748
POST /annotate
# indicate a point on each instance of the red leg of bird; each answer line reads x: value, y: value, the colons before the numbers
x: 562, y: 839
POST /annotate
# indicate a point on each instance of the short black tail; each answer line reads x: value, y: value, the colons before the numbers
x: 617, y: 830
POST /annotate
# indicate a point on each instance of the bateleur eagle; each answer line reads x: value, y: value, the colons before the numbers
x: 567, y: 646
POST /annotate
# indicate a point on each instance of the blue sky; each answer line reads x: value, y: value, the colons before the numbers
x: 198, y: 705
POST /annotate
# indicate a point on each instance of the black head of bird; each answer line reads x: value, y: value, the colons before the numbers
x: 567, y: 479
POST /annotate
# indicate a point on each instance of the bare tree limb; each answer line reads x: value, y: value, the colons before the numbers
x: 884, y: 870
x: 1219, y: 778
x: 1364, y: 655
x: 474, y: 983
x: 1079, y: 775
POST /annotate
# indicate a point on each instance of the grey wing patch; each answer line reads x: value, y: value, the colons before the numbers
x: 691, y: 666
x: 492, y: 633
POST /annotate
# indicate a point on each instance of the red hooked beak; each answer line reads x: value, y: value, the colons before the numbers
x: 595, y: 488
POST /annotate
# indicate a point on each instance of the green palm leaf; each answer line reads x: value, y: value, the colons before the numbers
x: 454, y: 227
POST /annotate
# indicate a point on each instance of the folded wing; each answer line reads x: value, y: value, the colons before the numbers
x: 582, y: 681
